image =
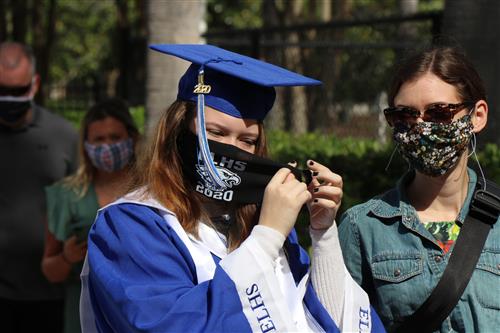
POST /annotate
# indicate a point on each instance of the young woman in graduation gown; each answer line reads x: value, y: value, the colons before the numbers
x: 205, y: 241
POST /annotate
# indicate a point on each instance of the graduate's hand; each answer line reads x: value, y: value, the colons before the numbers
x: 73, y: 251
x: 326, y: 191
x: 283, y: 198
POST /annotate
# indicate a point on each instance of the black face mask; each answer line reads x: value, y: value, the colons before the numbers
x: 13, y: 111
x: 245, y: 175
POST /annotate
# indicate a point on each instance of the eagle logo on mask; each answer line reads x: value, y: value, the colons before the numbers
x: 229, y: 178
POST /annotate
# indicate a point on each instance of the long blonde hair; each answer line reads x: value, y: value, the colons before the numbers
x: 159, y: 170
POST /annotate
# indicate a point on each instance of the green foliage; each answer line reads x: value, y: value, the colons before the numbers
x: 316, y: 145
x: 489, y: 157
x: 223, y: 14
x: 84, y: 38
x: 139, y: 117
x: 428, y: 5
x: 75, y: 116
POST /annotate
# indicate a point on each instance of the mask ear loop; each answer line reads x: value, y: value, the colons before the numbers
x: 390, y: 158
x: 16, y: 98
x: 206, y: 156
x: 473, y: 143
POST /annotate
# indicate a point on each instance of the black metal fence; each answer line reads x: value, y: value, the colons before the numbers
x: 353, y: 59
x: 72, y: 99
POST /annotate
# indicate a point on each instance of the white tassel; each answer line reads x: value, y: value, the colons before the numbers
x: 206, y: 156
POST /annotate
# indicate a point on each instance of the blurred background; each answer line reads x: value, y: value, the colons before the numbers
x: 91, y: 49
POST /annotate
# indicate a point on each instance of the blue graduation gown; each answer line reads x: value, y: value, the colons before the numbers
x: 142, y: 278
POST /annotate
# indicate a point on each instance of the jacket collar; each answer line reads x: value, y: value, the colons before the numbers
x: 395, y: 203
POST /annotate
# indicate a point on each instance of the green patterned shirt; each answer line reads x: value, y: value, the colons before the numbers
x: 446, y: 233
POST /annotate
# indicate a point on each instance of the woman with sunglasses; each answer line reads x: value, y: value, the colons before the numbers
x: 205, y: 242
x: 397, y: 245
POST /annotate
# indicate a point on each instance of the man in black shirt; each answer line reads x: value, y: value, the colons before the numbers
x: 37, y: 149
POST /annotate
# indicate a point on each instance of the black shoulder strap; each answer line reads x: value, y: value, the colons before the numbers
x: 483, y: 213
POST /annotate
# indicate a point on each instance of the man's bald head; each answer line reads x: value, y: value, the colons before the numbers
x: 17, y: 64
x: 12, y: 55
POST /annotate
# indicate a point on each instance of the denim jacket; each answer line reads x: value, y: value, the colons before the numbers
x: 398, y: 262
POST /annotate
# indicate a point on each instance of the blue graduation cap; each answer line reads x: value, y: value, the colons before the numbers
x: 229, y: 82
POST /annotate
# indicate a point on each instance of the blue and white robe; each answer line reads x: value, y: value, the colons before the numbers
x: 144, y: 273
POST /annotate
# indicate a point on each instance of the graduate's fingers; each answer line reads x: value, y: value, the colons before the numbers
x: 323, y: 175
x: 332, y: 193
x: 289, y: 178
x: 298, y: 190
x: 317, y: 208
x: 280, y: 177
x: 283, y: 198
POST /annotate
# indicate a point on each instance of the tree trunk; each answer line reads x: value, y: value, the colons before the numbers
x: 19, y: 27
x: 169, y: 22
x: 325, y: 63
x: 123, y: 45
x: 37, y: 43
x: 3, y: 21
x: 407, y: 31
x: 275, y: 120
x: 298, y: 122
x: 43, y: 39
x: 475, y: 25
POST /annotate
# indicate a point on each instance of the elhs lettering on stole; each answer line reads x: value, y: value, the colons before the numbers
x: 259, y: 308
x: 364, y: 320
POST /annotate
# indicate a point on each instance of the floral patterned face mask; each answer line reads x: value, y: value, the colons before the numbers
x: 434, y: 148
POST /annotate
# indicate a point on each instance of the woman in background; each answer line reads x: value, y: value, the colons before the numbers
x: 107, y: 144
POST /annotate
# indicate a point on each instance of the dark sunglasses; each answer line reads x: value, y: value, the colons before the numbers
x: 15, y: 91
x: 436, y: 113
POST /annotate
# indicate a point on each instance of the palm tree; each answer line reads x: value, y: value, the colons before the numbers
x: 169, y: 22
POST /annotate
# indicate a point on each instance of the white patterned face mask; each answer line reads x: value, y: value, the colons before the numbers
x: 111, y: 157
x: 434, y: 148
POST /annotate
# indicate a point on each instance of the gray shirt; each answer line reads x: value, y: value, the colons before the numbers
x: 31, y: 158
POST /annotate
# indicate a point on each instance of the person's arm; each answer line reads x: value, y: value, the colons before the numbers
x: 59, y: 257
x: 54, y: 266
x: 327, y: 270
x: 327, y: 266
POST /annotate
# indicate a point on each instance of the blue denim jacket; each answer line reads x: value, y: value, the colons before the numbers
x: 398, y: 262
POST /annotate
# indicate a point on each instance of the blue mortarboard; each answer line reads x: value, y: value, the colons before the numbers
x: 240, y: 86
x: 229, y: 82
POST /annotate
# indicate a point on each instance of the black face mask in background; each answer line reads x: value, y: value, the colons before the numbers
x: 13, y: 111
x: 246, y: 175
